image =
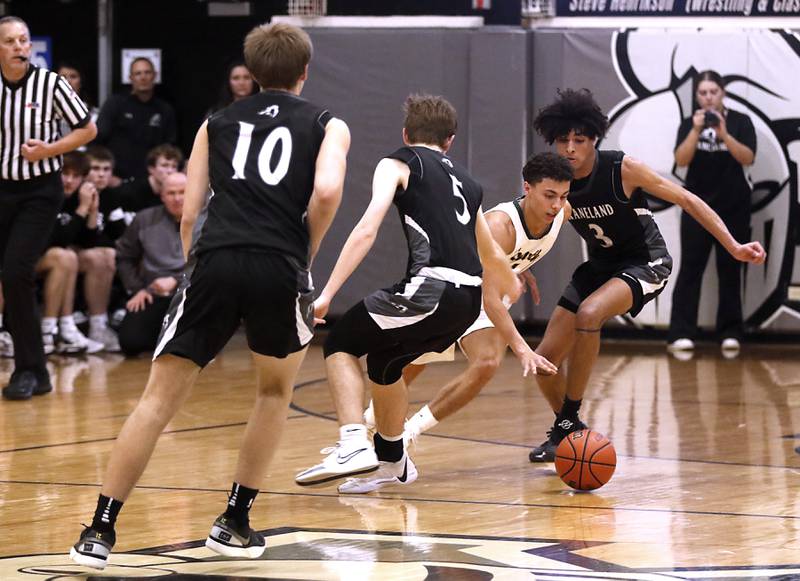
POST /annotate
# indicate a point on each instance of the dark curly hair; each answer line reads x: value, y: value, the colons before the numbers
x: 572, y: 110
x: 547, y: 165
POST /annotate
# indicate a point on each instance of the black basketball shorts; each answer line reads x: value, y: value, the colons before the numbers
x: 392, y: 327
x: 269, y: 292
x: 646, y: 282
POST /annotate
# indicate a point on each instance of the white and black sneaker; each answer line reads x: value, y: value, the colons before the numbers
x: 70, y: 341
x: 229, y: 538
x: 400, y: 473
x: 49, y: 343
x: 347, y: 458
x: 93, y: 548
x: 6, y: 344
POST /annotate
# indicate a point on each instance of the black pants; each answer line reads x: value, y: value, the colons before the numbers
x: 696, y: 245
x: 28, y: 212
x: 139, y: 331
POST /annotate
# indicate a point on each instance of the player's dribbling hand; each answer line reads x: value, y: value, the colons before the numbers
x: 321, y: 306
x: 751, y: 252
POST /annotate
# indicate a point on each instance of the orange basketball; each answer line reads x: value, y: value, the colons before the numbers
x: 585, y: 459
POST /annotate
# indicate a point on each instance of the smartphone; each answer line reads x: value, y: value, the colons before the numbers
x: 711, y: 120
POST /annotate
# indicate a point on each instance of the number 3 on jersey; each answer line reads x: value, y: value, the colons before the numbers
x: 270, y: 176
x: 605, y: 241
x: 458, y: 187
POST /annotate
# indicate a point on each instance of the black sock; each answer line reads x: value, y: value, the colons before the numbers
x: 569, y: 409
x: 105, y: 515
x: 388, y: 450
x: 239, y: 503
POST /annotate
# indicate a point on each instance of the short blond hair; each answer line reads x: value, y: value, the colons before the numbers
x: 277, y: 54
x: 429, y: 119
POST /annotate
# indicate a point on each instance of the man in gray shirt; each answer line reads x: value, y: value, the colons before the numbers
x: 150, y: 262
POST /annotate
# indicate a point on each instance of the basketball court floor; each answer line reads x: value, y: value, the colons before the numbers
x: 707, y: 484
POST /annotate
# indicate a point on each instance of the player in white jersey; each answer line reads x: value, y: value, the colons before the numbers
x: 526, y: 229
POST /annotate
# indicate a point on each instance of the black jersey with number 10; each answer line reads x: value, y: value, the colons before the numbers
x: 262, y: 157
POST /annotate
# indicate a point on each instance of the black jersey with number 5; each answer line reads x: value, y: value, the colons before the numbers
x: 262, y: 157
x: 616, y: 229
x: 438, y: 209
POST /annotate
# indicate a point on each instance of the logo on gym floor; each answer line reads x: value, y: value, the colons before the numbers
x: 335, y: 554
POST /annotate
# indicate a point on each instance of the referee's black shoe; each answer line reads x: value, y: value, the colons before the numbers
x: 25, y: 384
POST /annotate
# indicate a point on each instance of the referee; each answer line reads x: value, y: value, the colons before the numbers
x: 32, y: 103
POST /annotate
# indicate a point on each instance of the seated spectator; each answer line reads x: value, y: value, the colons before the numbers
x: 238, y: 84
x: 76, y: 225
x: 150, y: 262
x: 98, y: 262
x: 131, y: 124
x: 142, y: 193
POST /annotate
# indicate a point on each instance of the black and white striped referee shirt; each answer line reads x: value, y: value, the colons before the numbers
x: 31, y: 108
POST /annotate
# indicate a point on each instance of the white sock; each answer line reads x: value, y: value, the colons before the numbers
x: 391, y: 438
x: 353, y: 432
x: 422, y: 421
x: 66, y: 322
x: 97, y: 322
x: 49, y: 325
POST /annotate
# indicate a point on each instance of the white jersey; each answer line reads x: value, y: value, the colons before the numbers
x: 527, y: 248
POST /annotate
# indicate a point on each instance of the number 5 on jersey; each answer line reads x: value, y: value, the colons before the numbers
x: 270, y: 176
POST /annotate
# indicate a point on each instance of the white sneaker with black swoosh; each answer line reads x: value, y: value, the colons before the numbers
x: 388, y: 474
x: 346, y: 458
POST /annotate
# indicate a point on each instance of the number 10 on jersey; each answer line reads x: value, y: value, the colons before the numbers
x: 270, y: 176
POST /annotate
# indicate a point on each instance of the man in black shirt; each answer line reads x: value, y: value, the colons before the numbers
x: 628, y: 260
x: 265, y: 223
x: 162, y: 161
x: 130, y: 125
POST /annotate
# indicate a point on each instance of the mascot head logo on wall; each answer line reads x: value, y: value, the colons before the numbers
x: 760, y: 69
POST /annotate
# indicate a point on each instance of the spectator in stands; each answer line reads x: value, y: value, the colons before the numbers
x: 716, y: 143
x: 131, y: 124
x: 142, y: 193
x: 73, y: 76
x: 76, y: 225
x: 98, y: 262
x: 150, y: 262
x: 238, y: 84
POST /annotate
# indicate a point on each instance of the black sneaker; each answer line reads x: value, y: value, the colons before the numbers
x: 544, y: 452
x: 229, y: 538
x: 93, y: 548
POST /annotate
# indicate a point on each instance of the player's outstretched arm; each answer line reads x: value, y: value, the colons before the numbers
x: 330, y: 169
x: 637, y: 174
x: 196, y: 187
x: 389, y: 175
x: 497, y: 225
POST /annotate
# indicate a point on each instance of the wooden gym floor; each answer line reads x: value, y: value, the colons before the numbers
x: 707, y: 484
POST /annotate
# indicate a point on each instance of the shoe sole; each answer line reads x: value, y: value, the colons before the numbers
x: 381, y: 485
x: 228, y: 551
x: 86, y: 560
x: 331, y: 477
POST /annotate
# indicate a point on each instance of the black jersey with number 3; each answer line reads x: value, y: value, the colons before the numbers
x: 616, y: 229
x: 438, y: 210
x: 262, y: 157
